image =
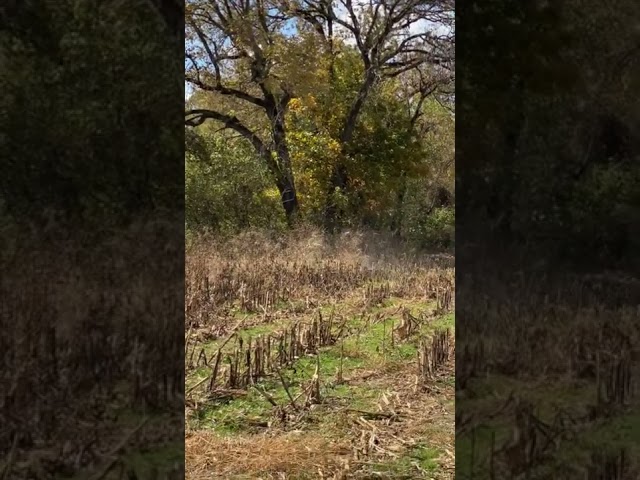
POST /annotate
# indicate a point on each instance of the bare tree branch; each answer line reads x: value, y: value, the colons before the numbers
x: 196, y: 117
x: 391, y: 36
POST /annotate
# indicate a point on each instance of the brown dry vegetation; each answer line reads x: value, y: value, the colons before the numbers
x: 89, y: 346
x: 307, y: 358
x: 547, y: 377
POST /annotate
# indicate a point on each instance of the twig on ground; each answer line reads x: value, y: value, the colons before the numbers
x: 264, y: 393
x: 286, y: 389
x: 373, y: 415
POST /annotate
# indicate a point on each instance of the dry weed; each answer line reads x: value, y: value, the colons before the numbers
x: 298, y: 296
x: 292, y: 456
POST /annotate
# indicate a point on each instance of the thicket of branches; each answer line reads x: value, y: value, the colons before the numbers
x: 75, y: 77
x: 549, y: 93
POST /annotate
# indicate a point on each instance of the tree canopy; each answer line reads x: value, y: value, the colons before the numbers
x: 340, y: 109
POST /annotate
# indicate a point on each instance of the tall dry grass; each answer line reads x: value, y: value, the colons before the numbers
x: 566, y: 347
x: 256, y: 272
x: 90, y: 329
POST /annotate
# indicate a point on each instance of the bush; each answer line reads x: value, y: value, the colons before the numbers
x: 438, y: 229
x: 226, y: 192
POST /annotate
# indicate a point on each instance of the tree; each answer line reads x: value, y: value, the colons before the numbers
x: 225, y: 190
x: 255, y: 56
x: 233, y: 51
x: 549, y: 96
x: 393, y: 38
x: 75, y: 75
x: 402, y: 142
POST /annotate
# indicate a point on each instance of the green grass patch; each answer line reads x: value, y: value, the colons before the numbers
x: 607, y: 437
x: 489, y: 393
x: 447, y: 320
x: 370, y: 348
x: 358, y: 397
x: 257, y: 330
x: 373, y: 341
x: 230, y: 416
x: 147, y: 463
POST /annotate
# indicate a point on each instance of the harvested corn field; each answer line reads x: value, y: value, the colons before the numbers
x: 309, y: 360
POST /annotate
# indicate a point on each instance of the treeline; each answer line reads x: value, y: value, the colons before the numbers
x: 76, y: 76
x: 321, y: 112
x: 548, y: 155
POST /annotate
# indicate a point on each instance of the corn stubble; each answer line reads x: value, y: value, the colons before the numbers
x: 91, y: 354
x: 296, y: 321
x: 560, y: 369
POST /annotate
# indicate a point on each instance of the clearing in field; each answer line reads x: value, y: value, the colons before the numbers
x: 306, y: 360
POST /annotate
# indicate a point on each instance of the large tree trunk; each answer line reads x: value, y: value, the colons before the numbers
x: 505, y: 187
x: 339, y: 177
x: 285, y: 181
x: 289, y: 199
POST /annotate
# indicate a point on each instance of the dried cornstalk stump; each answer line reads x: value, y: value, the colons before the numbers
x: 434, y: 354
